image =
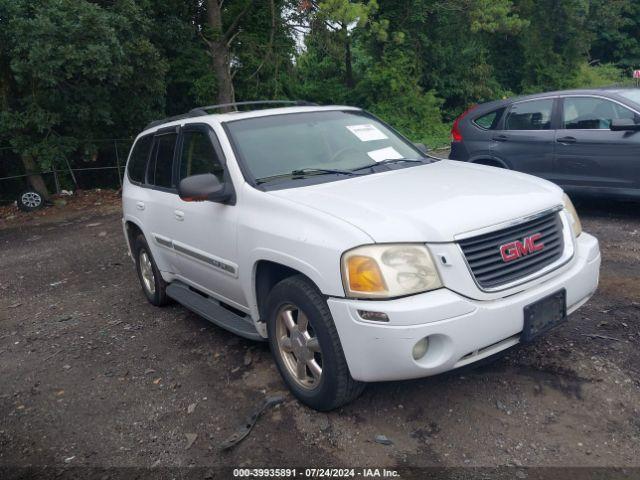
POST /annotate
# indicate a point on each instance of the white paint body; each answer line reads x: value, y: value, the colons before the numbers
x: 309, y: 228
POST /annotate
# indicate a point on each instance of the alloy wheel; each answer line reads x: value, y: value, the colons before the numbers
x: 298, y: 347
x: 31, y: 199
x: 146, y: 272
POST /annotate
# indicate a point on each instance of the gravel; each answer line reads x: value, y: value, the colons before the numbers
x: 94, y: 375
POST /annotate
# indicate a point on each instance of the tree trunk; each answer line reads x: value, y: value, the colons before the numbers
x: 222, y: 71
x: 348, y: 67
x: 35, y: 180
x: 219, y: 50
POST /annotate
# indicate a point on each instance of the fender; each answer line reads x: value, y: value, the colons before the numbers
x: 260, y: 254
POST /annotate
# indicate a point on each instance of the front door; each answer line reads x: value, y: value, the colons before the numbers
x: 205, y: 241
x: 591, y: 156
x: 526, y: 140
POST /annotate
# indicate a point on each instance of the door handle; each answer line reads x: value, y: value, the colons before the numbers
x: 140, y: 205
x: 566, y: 140
x: 500, y: 138
x: 179, y: 215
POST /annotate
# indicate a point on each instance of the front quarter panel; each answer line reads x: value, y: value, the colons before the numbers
x: 282, y: 231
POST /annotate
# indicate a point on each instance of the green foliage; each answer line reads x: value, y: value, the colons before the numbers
x: 390, y: 89
x: 72, y: 71
x: 594, y: 76
x: 346, y: 12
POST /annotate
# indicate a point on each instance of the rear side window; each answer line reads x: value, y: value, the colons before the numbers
x: 532, y: 115
x: 138, y: 159
x: 198, y: 156
x: 489, y: 121
x: 161, y: 173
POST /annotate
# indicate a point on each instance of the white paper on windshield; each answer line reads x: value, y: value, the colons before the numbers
x: 366, y: 132
x: 388, y: 153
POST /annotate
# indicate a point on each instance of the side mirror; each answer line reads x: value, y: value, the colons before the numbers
x: 421, y: 146
x: 624, y: 124
x: 200, y: 188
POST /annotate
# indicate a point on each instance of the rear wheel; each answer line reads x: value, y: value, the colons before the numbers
x: 153, y: 286
x: 306, y: 347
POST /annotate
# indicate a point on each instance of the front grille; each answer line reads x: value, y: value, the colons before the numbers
x: 486, y: 262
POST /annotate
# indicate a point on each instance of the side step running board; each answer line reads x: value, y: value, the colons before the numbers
x: 211, y: 309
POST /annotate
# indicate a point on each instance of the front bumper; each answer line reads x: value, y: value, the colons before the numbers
x: 461, y: 330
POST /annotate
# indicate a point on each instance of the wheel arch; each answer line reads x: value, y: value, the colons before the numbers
x: 131, y: 230
x: 491, y: 162
x: 266, y: 274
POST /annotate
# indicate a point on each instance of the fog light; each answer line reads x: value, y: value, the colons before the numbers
x: 373, y: 316
x: 420, y: 348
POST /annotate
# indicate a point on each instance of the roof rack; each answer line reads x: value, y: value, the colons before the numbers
x: 200, y: 111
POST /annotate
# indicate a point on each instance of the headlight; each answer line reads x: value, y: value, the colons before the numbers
x: 384, y: 271
x: 576, y: 226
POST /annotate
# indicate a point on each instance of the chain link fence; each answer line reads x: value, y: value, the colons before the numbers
x: 104, y: 169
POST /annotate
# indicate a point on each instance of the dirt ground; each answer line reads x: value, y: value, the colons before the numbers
x: 93, y: 375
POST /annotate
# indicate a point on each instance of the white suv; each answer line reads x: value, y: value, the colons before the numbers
x: 357, y: 256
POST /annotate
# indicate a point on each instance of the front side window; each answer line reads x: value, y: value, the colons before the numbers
x: 161, y: 173
x: 198, y: 156
x: 590, y: 113
x: 138, y: 159
x: 531, y: 115
x: 277, y: 145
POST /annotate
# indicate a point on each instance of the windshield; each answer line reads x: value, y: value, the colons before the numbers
x: 328, y: 140
x: 633, y: 95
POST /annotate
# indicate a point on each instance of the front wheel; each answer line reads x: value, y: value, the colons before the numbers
x: 306, y: 347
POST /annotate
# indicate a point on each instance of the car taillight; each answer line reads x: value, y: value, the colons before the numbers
x: 456, y: 135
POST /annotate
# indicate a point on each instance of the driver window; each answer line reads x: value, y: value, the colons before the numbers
x: 198, y: 156
x: 590, y: 113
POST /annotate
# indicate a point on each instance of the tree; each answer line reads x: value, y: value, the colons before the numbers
x: 69, y: 70
x: 334, y: 23
x: 219, y: 38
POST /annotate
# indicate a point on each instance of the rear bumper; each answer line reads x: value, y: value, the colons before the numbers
x: 460, y: 330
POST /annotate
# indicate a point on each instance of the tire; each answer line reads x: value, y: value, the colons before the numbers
x: 153, y: 286
x: 334, y: 386
x: 30, y: 200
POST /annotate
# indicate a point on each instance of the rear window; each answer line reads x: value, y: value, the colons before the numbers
x: 138, y: 159
x: 161, y: 174
x: 489, y: 121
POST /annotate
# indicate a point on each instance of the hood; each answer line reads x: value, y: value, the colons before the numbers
x: 429, y: 203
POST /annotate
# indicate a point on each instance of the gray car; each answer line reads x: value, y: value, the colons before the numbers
x: 587, y: 141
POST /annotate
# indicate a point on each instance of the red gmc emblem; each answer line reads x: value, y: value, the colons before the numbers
x: 512, y: 250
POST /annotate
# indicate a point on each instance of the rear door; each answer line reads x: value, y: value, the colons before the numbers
x: 526, y: 139
x: 206, y: 236
x: 134, y: 195
x: 162, y: 194
x: 591, y: 156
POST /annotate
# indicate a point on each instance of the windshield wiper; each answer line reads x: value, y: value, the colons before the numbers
x: 304, y: 172
x: 390, y: 161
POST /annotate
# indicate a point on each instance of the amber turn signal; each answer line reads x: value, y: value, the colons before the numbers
x: 365, y: 275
